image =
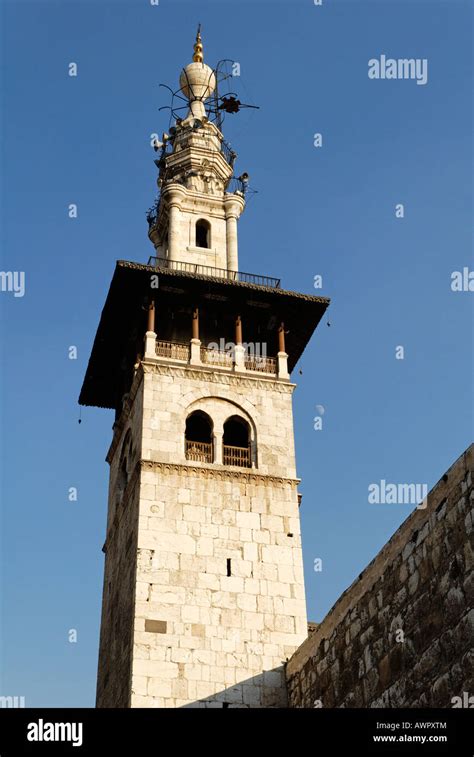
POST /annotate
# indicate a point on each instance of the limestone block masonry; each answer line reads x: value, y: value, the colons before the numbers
x: 213, y: 559
x: 403, y: 634
x: 116, y: 634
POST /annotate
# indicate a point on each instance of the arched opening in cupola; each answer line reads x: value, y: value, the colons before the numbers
x: 203, y: 233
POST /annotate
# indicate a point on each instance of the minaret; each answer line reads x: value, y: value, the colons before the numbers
x: 203, y: 595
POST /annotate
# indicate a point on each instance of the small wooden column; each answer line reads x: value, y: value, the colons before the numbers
x: 239, y: 351
x: 238, y: 330
x: 195, y: 357
x: 282, y: 357
x: 196, y: 323
x: 281, y: 338
x: 150, y: 336
x: 151, y: 316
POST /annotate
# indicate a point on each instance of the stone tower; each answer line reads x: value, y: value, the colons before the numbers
x: 203, y: 595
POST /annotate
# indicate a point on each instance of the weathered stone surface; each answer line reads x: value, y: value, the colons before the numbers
x: 204, y: 560
x: 404, y: 631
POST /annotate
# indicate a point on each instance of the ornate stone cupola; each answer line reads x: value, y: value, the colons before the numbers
x: 195, y: 217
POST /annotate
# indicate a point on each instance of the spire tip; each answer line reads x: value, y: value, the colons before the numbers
x: 198, y: 56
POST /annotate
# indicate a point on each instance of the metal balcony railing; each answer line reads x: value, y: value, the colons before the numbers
x: 228, y: 152
x: 215, y: 273
x: 239, y: 456
x: 174, y: 350
x: 152, y: 214
x: 200, y: 452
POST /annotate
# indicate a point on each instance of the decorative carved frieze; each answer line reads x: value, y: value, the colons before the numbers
x: 218, y: 377
x: 218, y: 474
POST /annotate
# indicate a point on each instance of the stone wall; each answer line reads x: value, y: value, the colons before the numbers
x: 116, y: 631
x: 120, y: 548
x: 402, y: 635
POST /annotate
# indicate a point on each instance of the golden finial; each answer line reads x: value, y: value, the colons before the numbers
x: 198, y: 54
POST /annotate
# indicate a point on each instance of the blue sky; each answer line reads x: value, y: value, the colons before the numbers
x: 328, y: 211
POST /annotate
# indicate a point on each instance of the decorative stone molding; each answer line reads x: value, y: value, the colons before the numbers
x: 173, y: 194
x: 216, y: 474
x: 214, y: 377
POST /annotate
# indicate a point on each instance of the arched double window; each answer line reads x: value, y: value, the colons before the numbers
x: 236, y: 441
x: 203, y: 233
x: 228, y: 442
x: 198, y: 437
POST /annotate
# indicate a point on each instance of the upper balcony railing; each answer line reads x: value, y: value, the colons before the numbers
x: 216, y: 273
x: 173, y: 350
x: 181, y: 352
x: 217, y: 357
x: 228, y: 152
x: 262, y: 364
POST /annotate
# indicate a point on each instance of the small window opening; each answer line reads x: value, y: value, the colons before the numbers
x: 198, y: 437
x: 229, y: 567
x: 203, y: 233
x: 236, y: 442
